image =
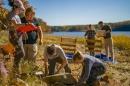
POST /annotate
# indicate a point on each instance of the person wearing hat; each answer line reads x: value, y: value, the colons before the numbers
x: 31, y: 37
x: 54, y: 54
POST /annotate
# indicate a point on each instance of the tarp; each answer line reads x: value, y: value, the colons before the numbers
x: 104, y: 57
x: 99, y: 56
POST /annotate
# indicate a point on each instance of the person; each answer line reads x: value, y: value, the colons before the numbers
x: 31, y: 36
x: 54, y: 54
x: 26, y: 4
x: 3, y: 71
x: 1, y: 3
x: 93, y: 68
x: 90, y: 35
x: 18, y: 3
x: 16, y: 37
x: 108, y: 43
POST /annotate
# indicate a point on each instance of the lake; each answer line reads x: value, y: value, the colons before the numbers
x: 81, y: 34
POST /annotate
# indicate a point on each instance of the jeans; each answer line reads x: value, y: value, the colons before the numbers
x: 95, y: 72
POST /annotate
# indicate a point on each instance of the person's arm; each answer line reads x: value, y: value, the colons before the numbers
x: 45, y: 62
x: 15, y: 25
x: 64, y: 60
x: 85, y: 34
x: 40, y: 33
x: 109, y: 29
x: 46, y: 67
x: 86, y: 72
x: 19, y: 25
x: 61, y: 67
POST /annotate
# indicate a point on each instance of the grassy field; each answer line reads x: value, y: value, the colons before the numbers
x: 119, y: 72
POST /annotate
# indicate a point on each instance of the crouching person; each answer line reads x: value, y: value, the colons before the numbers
x: 54, y: 54
x: 92, y: 69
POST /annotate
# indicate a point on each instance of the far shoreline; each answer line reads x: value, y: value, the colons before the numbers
x: 81, y: 34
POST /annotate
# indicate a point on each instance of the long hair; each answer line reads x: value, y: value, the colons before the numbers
x: 78, y: 55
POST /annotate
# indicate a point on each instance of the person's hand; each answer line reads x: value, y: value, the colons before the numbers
x: 104, y: 33
x: 97, y: 36
x: 78, y: 84
x: 56, y: 72
x: 40, y: 42
x: 46, y: 73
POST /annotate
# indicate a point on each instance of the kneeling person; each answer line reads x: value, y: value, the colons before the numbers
x: 54, y: 54
x: 92, y: 68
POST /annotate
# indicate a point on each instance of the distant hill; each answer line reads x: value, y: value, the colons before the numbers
x: 118, y: 26
x: 121, y: 26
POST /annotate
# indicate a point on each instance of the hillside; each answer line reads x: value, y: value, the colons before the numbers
x: 118, y: 26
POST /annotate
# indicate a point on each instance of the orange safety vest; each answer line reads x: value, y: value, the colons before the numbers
x: 27, y: 28
x: 8, y: 48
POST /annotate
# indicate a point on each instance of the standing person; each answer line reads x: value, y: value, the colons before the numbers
x: 16, y: 37
x: 90, y: 35
x: 31, y: 37
x: 92, y: 69
x: 54, y: 54
x: 108, y: 44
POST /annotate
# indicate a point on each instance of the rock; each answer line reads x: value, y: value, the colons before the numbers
x: 19, y: 82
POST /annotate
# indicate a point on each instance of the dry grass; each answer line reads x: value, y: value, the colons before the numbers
x: 119, y: 72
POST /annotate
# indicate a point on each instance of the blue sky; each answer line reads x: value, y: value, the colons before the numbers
x: 73, y: 12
